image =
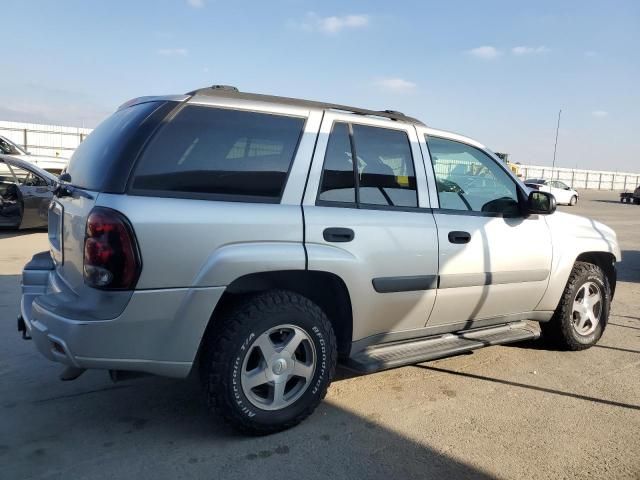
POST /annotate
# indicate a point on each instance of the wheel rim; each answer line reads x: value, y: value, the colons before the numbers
x: 278, y: 367
x: 587, y: 308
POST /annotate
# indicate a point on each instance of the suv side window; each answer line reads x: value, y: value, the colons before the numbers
x: 207, y: 152
x: 469, y: 180
x: 338, y: 180
x: 385, y: 174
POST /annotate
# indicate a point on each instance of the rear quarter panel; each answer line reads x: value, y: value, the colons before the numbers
x: 202, y: 243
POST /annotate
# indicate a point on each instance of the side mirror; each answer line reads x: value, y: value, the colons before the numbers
x: 542, y: 203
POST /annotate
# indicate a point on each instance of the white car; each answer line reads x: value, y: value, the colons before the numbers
x: 564, y: 193
x: 53, y: 165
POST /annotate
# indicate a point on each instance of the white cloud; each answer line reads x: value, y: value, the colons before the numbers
x: 599, y: 113
x: 529, y: 50
x: 172, y: 52
x: 485, y: 52
x: 196, y: 3
x: 330, y: 25
x: 395, y: 84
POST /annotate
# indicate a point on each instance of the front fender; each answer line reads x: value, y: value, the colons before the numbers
x: 571, y: 236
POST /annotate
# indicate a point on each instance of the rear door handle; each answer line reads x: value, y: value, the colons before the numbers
x: 336, y: 234
x: 459, y: 237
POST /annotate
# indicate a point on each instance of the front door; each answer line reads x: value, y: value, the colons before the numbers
x: 367, y: 220
x: 494, y: 261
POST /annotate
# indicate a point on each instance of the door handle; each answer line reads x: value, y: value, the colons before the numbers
x: 336, y: 234
x: 459, y: 237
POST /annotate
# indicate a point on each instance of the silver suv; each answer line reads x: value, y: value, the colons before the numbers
x: 259, y: 240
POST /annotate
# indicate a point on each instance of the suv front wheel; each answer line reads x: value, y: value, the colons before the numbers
x: 267, y: 363
x: 581, y: 317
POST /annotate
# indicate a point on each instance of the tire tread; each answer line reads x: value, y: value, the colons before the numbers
x: 219, y: 351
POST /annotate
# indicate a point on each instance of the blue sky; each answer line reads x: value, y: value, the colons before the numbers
x: 497, y: 71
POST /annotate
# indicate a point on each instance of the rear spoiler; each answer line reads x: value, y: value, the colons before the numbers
x: 158, y: 98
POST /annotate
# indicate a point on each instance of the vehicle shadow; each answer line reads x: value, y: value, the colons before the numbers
x: 161, y: 427
x: 611, y: 201
x: 6, y: 232
x: 551, y: 391
x: 629, y: 268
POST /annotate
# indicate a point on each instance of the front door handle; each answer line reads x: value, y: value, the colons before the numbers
x: 337, y: 234
x: 459, y: 237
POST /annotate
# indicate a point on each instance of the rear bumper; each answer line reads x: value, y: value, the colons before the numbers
x: 158, y: 332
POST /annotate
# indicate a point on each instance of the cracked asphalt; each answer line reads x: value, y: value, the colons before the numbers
x: 519, y: 411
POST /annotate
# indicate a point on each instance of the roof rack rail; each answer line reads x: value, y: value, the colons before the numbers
x: 231, y: 91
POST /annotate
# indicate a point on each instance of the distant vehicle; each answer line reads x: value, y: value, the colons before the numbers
x: 629, y: 197
x: 514, y: 167
x: 53, y: 165
x: 564, y: 193
x: 25, y: 193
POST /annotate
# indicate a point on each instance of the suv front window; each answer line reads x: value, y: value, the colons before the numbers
x: 469, y: 180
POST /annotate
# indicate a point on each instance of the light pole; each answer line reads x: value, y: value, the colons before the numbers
x: 555, y: 147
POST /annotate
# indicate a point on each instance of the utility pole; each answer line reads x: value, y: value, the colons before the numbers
x: 555, y: 147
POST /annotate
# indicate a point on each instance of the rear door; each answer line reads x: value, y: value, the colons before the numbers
x: 369, y: 222
x: 494, y: 261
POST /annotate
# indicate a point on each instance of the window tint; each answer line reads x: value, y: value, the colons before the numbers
x: 385, y: 167
x: 8, y: 147
x: 338, y: 179
x: 205, y: 151
x: 385, y: 171
x: 470, y: 180
x: 99, y: 153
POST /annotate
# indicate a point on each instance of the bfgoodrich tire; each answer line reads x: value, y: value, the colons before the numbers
x: 268, y: 362
x: 581, y: 317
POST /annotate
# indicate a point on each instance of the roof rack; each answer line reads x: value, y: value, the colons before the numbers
x: 233, y: 92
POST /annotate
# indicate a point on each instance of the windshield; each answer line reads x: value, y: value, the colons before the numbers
x: 9, y: 148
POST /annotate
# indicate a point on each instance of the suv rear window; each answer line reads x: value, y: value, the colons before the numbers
x: 215, y: 153
x: 111, y: 147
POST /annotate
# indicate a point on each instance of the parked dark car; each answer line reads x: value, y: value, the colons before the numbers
x: 25, y: 194
x: 631, y: 197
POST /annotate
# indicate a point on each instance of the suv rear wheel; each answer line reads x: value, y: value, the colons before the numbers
x: 267, y: 363
x: 581, y: 316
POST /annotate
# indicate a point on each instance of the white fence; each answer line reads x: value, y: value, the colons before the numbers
x: 583, y: 179
x: 57, y: 140
x: 51, y: 140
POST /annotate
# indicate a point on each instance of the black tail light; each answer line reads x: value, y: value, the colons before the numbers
x: 111, y: 255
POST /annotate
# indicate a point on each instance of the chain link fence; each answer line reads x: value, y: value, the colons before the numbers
x: 49, y: 140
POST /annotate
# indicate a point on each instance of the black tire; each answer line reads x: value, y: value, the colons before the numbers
x: 573, y: 201
x: 636, y: 201
x: 560, y: 330
x: 232, y: 336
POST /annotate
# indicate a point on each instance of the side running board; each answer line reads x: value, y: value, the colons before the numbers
x: 392, y: 355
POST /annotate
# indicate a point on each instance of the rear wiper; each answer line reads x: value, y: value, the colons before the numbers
x: 63, y: 190
x: 67, y: 190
